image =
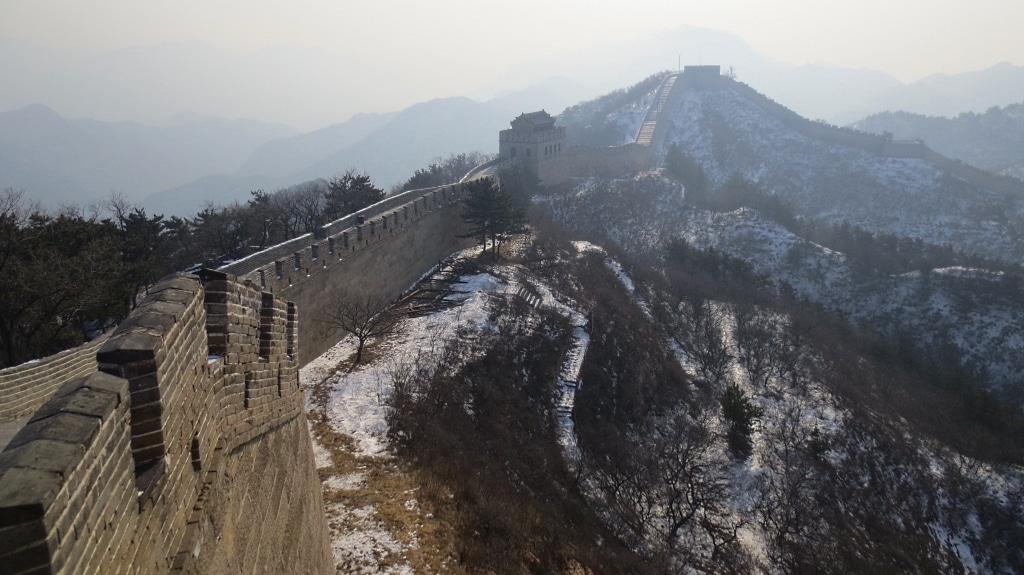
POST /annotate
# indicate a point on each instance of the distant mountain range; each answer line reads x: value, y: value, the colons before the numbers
x: 843, y: 96
x: 388, y: 147
x: 57, y: 160
x: 175, y: 167
x: 817, y: 91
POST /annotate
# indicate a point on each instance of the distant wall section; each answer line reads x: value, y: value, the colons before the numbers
x: 595, y: 162
x: 382, y: 249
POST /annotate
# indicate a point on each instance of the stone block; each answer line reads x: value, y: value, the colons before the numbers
x: 147, y: 426
x: 105, y: 382
x: 152, y: 319
x: 182, y: 297
x: 219, y: 309
x: 44, y: 455
x: 215, y: 278
x: 147, y: 440
x: 183, y: 283
x: 143, y: 383
x: 146, y: 412
x: 26, y: 494
x: 85, y: 401
x: 69, y: 427
x: 148, y: 454
x: 33, y: 559
x: 18, y: 536
x: 131, y: 370
x: 128, y: 347
x: 145, y: 396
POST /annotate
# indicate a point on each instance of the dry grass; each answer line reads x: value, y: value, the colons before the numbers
x: 374, y: 495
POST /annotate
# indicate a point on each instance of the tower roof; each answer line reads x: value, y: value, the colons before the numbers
x: 533, y: 122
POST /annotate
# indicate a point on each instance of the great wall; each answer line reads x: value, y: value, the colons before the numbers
x: 178, y: 444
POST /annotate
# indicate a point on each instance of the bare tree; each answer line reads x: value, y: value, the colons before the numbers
x: 793, y: 351
x: 365, y: 316
x: 759, y: 344
x: 700, y: 334
x: 693, y: 490
x: 795, y: 525
x: 668, y: 486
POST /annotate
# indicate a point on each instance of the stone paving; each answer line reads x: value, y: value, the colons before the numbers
x: 10, y: 428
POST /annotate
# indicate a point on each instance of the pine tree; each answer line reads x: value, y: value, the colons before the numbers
x: 491, y: 214
x: 348, y: 193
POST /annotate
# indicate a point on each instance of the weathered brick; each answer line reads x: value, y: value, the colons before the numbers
x: 44, y: 455
x: 129, y: 346
x: 86, y: 401
x: 69, y: 427
x: 25, y: 494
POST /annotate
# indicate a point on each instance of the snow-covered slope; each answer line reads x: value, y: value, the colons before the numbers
x: 730, y: 133
x: 974, y: 311
x: 810, y: 447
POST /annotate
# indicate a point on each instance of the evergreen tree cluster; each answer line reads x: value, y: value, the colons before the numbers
x: 443, y: 171
x: 68, y: 277
x: 491, y: 214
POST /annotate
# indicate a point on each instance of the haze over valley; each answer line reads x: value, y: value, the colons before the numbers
x: 175, y: 124
x: 579, y: 289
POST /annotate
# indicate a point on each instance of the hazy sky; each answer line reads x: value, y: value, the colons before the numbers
x: 438, y: 48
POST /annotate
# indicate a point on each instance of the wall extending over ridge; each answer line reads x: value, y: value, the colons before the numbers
x: 382, y: 249
x: 615, y: 161
x: 179, y: 443
x: 188, y: 451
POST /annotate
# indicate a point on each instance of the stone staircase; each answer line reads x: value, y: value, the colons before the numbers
x: 646, y: 135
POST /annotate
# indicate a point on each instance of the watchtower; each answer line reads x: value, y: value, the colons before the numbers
x: 532, y: 139
x: 702, y: 76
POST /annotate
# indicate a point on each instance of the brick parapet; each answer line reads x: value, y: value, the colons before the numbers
x: 291, y: 263
x: 52, y: 515
x: 118, y: 470
x: 24, y: 388
x: 383, y: 248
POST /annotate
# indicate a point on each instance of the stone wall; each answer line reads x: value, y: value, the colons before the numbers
x: 187, y: 452
x: 24, y: 388
x: 594, y: 162
x: 179, y: 443
x: 382, y: 249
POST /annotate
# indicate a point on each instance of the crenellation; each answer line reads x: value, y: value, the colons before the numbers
x: 205, y: 375
x: 117, y: 462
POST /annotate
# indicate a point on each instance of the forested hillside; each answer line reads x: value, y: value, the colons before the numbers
x: 917, y: 254
x: 993, y: 140
x: 572, y: 409
x: 768, y: 355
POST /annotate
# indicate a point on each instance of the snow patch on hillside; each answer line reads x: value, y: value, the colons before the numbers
x: 357, y: 406
x: 729, y: 134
